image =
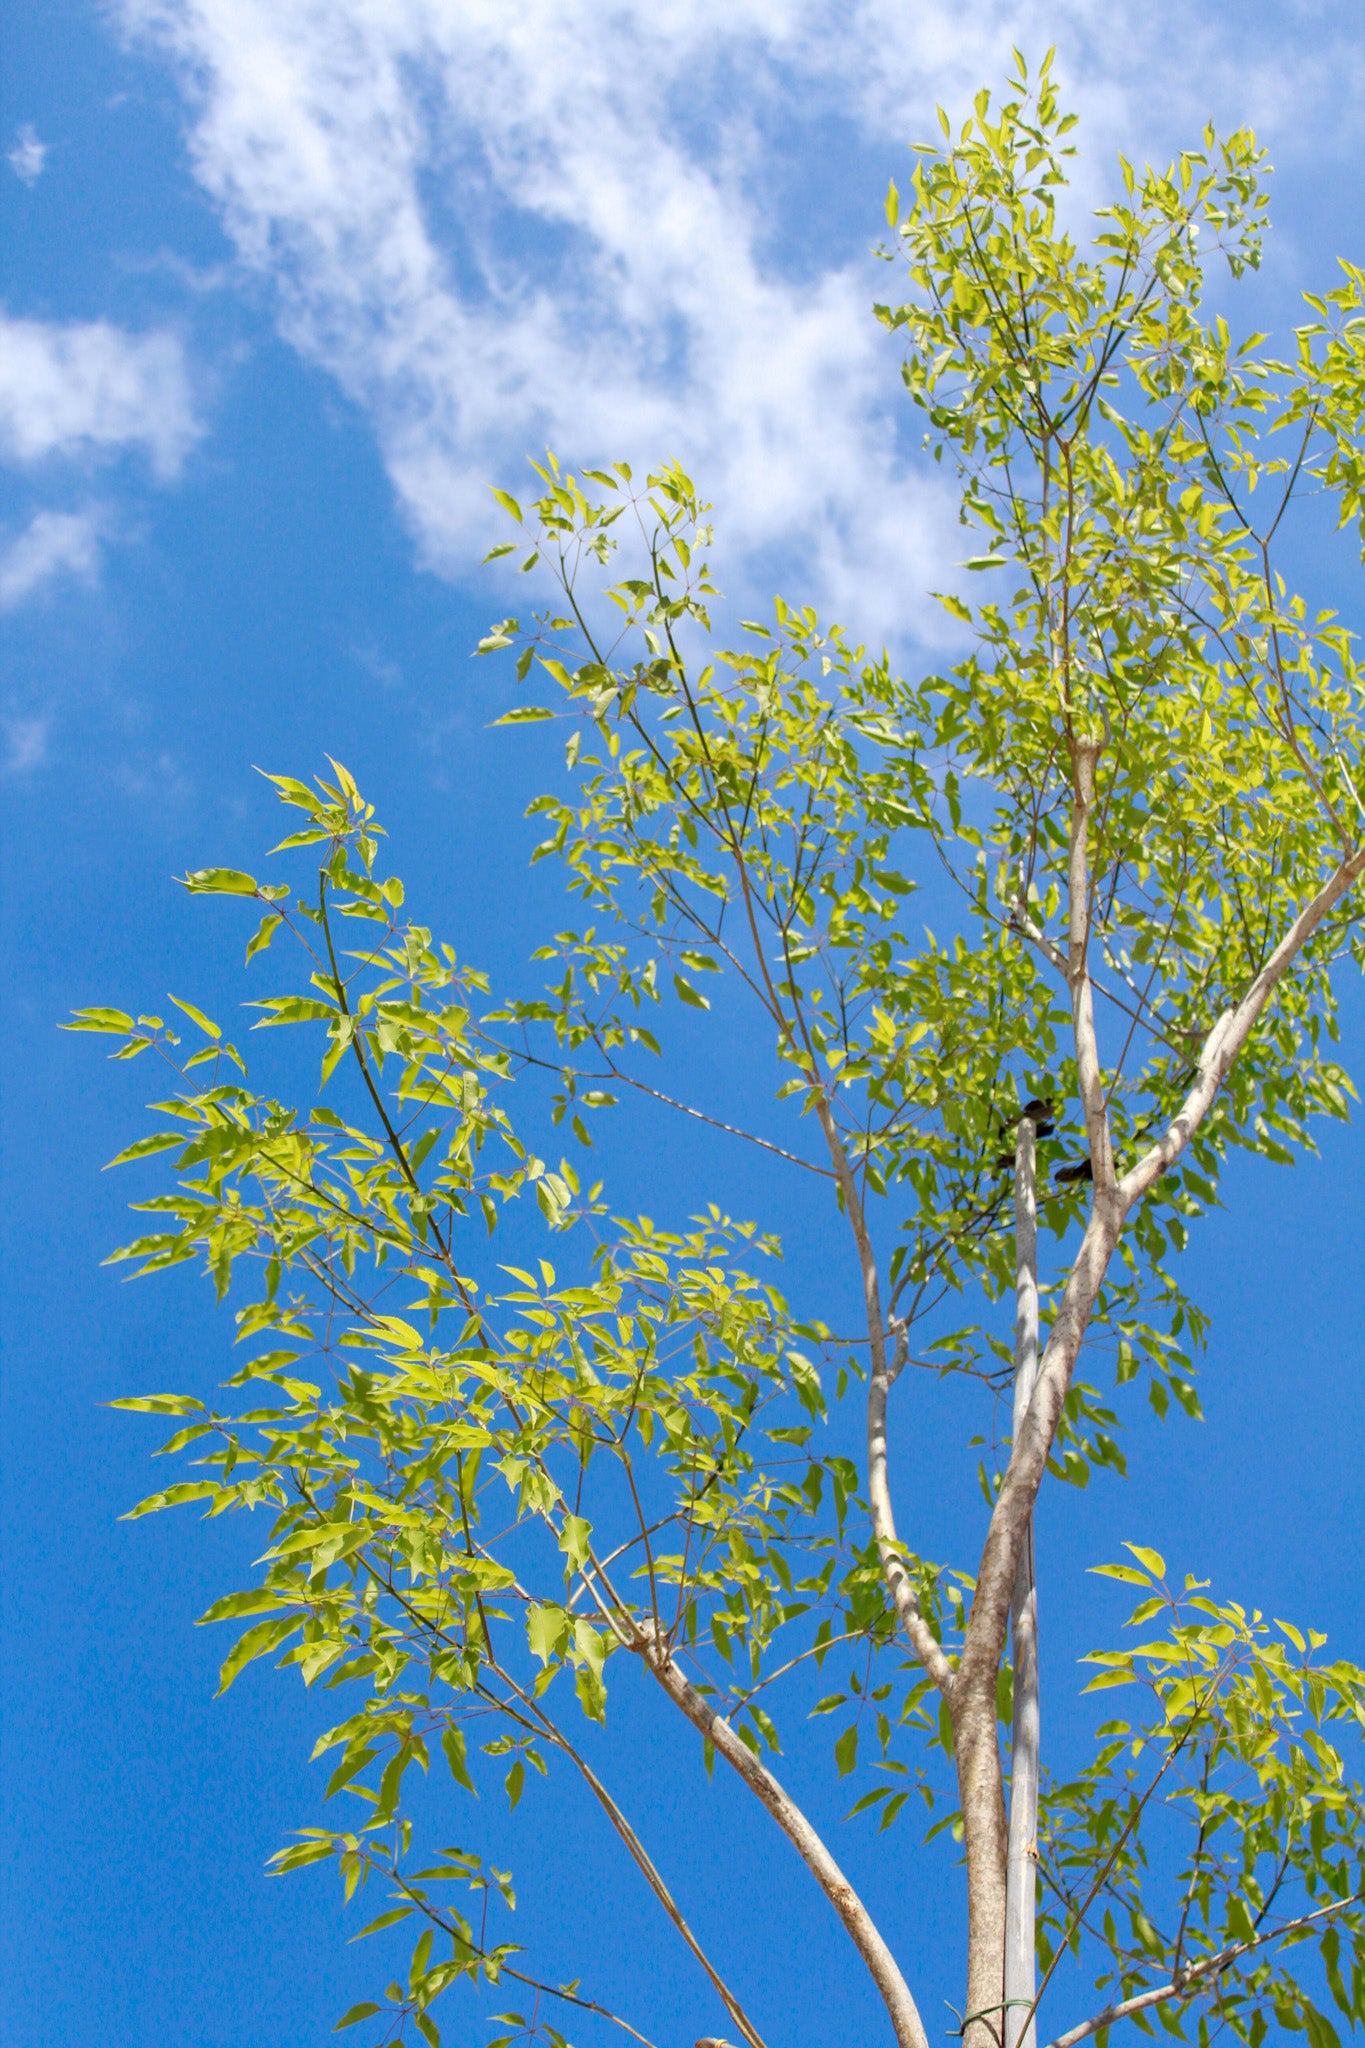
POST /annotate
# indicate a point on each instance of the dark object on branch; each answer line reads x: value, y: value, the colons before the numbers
x: 1039, y: 1114
x: 1082, y: 1170
x: 1038, y: 1111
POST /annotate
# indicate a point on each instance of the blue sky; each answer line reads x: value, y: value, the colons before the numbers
x: 285, y: 285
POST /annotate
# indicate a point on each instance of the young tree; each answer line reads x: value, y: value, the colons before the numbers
x: 1142, y: 785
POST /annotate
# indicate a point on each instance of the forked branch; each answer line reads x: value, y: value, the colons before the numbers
x: 858, y: 1922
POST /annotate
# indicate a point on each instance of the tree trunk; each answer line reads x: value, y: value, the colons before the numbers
x: 1020, y: 1879
x: 976, y: 1746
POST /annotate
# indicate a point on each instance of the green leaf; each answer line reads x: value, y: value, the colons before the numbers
x: 453, y: 1743
x: 294, y: 1010
x: 210, y: 1029
x: 846, y: 1750
x: 259, y: 1600
x: 1110, y: 1678
x: 257, y: 1642
x: 1321, y: 2032
x: 389, y: 1919
x: 391, y: 1786
x: 890, y: 1811
x: 364, y: 2011
x: 220, y: 882
x: 395, y: 1331
x: 348, y: 1770
x: 174, y: 1496
x: 317, y: 1849
x: 525, y: 714
x: 160, y: 1404
x: 547, y: 1629
x: 592, y: 1693
x: 263, y: 934
x: 868, y: 1800
x: 99, y: 1020
x: 690, y: 995
x: 145, y: 1148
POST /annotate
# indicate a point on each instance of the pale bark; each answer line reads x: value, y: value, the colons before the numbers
x: 656, y: 1884
x: 890, y: 1550
x: 976, y: 1755
x: 1004, y: 1586
x: 1189, y: 1980
x: 1089, y: 1076
x: 1113, y: 1201
x: 858, y: 1922
x: 1021, y: 1860
x: 1232, y: 1030
x: 981, y: 1797
x: 538, y: 1721
x: 976, y: 1742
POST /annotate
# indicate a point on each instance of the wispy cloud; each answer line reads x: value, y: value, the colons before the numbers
x: 28, y: 155
x: 52, y: 544
x: 160, y: 782
x: 499, y: 223
x: 384, y: 671
x: 25, y: 744
x: 86, y: 388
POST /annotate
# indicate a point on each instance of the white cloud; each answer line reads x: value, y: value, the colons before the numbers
x: 86, y: 388
x: 25, y: 745
x: 72, y: 393
x: 52, y: 544
x: 28, y: 155
x: 499, y: 223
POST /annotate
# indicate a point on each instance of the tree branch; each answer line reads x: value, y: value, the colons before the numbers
x: 1231, y: 1032
x: 1180, y: 1987
x: 717, y: 1124
x: 858, y: 1922
x: 536, y: 1718
x: 898, y: 1580
x: 1087, y: 754
x: 984, y: 1644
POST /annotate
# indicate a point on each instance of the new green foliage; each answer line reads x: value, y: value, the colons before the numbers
x: 489, y: 1483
